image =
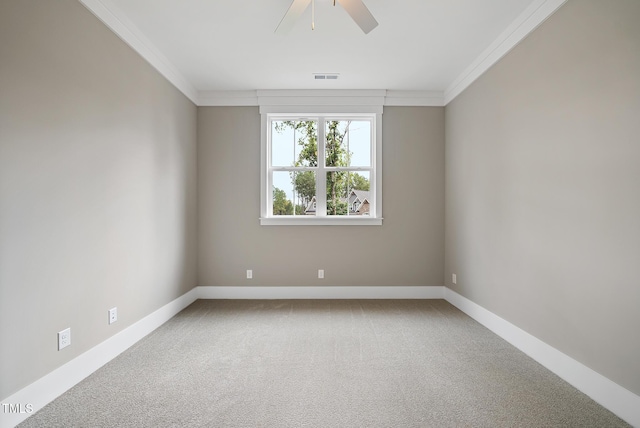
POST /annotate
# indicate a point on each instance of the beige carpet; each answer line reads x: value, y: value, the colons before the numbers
x: 323, y: 363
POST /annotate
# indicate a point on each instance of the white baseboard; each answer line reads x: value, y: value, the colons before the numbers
x: 46, y: 389
x: 417, y: 292
x: 612, y: 396
x: 624, y: 403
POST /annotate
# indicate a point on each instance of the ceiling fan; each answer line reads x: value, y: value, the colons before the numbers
x: 355, y: 8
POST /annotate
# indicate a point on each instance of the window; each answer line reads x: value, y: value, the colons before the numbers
x: 314, y: 165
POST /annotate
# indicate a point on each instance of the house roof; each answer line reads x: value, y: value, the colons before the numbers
x: 362, y: 195
x: 310, y: 208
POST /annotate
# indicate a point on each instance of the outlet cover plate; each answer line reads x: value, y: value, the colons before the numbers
x: 113, y: 315
x: 64, y: 338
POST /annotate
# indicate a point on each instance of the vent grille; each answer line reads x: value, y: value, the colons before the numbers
x: 325, y: 76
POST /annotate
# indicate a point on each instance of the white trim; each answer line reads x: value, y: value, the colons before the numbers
x: 326, y: 292
x: 317, y: 98
x: 525, y: 23
x: 370, y: 113
x: 321, y: 221
x: 414, y: 98
x: 303, y: 109
x: 52, y: 385
x: 376, y: 176
x: 228, y: 98
x: 265, y: 185
x: 49, y: 387
x: 321, y: 93
x: 610, y: 395
x: 117, y: 21
x: 320, y: 97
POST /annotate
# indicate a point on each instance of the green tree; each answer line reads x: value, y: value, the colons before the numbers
x: 337, y: 207
x: 304, y: 184
x: 301, y: 209
x: 358, y: 182
x: 281, y: 205
x: 336, y: 155
x: 306, y: 134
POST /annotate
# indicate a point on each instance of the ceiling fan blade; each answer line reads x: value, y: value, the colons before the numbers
x: 292, y: 15
x: 359, y: 13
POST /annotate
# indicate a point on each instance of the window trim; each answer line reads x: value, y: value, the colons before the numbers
x: 373, y: 113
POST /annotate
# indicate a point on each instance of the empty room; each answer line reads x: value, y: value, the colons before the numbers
x: 349, y: 213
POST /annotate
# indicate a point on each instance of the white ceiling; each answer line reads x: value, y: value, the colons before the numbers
x: 419, y: 45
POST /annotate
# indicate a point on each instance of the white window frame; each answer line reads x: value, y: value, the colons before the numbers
x: 371, y: 113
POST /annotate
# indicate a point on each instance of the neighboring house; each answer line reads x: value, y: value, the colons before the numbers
x: 358, y: 201
x: 311, y: 207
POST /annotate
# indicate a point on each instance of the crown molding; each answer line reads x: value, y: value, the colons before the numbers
x: 525, y: 23
x: 414, y: 98
x: 319, y: 97
x: 115, y: 20
x: 227, y: 98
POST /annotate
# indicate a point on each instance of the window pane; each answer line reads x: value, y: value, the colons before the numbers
x: 294, y: 193
x: 348, y: 143
x: 294, y: 143
x: 348, y: 193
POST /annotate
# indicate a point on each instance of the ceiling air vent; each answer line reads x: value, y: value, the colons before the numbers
x: 325, y: 76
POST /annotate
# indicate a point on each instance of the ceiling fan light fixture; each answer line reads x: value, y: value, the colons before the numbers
x: 355, y: 8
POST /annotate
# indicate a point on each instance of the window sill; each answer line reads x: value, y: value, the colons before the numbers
x: 320, y: 221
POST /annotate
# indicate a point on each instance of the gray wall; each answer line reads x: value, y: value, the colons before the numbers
x: 97, y: 186
x: 542, y: 187
x: 408, y: 249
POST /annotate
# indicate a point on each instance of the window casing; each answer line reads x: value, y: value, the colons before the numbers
x: 348, y: 157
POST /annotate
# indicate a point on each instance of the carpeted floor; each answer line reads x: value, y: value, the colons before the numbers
x: 323, y: 363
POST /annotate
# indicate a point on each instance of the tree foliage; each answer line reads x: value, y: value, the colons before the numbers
x: 306, y: 134
x: 304, y: 183
x: 358, y: 182
x: 336, y: 155
x: 281, y: 205
x: 337, y: 207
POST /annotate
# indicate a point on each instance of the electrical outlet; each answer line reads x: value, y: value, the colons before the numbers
x: 321, y: 273
x: 113, y: 315
x: 64, y: 338
x: 454, y: 279
x: 249, y: 274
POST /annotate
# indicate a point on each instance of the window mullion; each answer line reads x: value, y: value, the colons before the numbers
x: 321, y: 175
